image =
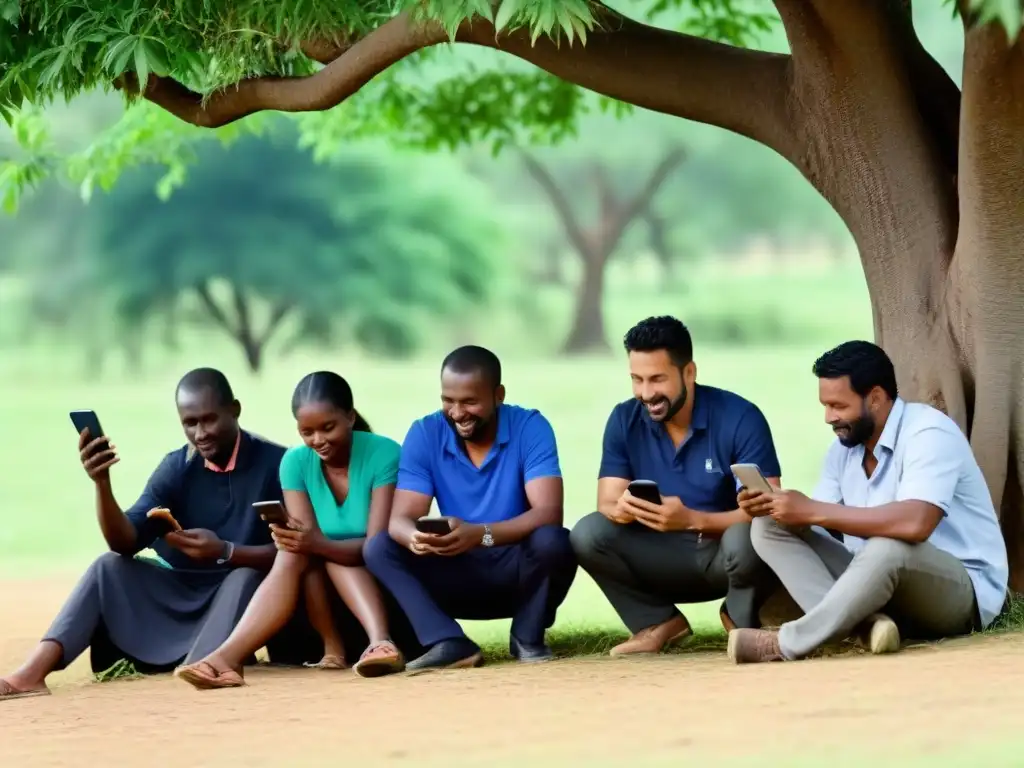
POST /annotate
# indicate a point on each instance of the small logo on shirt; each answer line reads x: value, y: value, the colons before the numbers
x: 708, y: 466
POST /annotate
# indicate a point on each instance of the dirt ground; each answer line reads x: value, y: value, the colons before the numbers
x: 933, y: 703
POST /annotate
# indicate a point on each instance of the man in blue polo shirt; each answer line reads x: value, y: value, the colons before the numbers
x: 695, y: 545
x: 493, y: 469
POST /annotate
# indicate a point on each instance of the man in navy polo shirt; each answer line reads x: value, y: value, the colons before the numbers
x: 694, y: 546
x: 493, y: 469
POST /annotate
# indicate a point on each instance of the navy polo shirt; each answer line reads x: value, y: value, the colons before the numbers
x: 435, y: 464
x: 725, y: 429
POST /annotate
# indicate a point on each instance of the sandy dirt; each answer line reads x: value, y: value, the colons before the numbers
x: 922, y: 703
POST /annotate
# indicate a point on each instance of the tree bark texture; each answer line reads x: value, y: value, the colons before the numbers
x: 929, y: 181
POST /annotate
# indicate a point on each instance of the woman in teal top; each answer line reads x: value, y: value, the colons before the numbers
x: 338, y: 487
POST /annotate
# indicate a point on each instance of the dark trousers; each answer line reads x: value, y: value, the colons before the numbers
x: 644, y: 573
x: 526, y: 581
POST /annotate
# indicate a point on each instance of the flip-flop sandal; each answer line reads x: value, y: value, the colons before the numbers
x: 380, y: 659
x: 8, y: 691
x: 203, y: 676
x: 327, y: 662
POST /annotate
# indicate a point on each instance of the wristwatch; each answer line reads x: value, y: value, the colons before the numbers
x: 487, y: 540
x: 229, y: 551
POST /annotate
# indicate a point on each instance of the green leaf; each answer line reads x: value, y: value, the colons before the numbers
x: 10, y: 10
x: 142, y: 64
x: 506, y: 11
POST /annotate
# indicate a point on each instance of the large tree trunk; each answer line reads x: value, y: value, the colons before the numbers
x: 932, y: 190
x: 588, y: 333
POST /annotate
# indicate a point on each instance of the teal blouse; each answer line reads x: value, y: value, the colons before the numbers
x: 374, y: 463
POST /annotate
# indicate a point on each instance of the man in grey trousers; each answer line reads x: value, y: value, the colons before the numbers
x: 921, y: 541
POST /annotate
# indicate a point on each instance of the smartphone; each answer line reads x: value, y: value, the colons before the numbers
x: 273, y: 512
x: 439, y: 526
x: 162, y: 517
x: 646, y: 490
x: 750, y: 477
x: 88, y: 420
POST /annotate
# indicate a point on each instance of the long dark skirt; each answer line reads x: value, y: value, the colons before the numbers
x: 158, y: 618
x: 155, y: 617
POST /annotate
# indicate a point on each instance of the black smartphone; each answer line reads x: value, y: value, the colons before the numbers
x: 646, y: 490
x: 272, y: 512
x: 439, y: 526
x: 86, y: 419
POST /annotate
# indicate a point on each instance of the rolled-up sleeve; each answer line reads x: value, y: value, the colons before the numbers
x: 932, y: 461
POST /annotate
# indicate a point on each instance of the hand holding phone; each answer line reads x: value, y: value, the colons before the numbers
x: 647, y: 490
x: 435, y: 526
x: 95, y: 450
x: 750, y: 477
x: 273, y: 513
x: 163, y: 517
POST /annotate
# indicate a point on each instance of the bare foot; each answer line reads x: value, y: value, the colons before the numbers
x: 12, y: 688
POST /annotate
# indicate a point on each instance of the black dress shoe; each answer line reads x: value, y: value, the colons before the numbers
x: 447, y: 654
x: 529, y: 653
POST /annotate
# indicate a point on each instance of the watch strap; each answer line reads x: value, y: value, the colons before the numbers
x: 227, y: 554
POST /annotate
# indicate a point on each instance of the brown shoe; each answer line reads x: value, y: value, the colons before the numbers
x: 726, y: 621
x: 655, y: 639
x: 752, y: 646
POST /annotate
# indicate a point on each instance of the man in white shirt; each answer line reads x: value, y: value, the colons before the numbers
x: 921, y: 540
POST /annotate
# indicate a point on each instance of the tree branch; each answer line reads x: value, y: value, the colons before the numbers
x: 242, y: 312
x: 277, y: 316
x: 342, y: 77
x: 573, y: 230
x: 641, y: 201
x: 212, y: 308
x: 325, y: 50
x: 741, y: 90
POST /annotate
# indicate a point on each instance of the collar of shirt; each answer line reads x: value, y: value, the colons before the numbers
x: 890, y: 432
x: 230, y: 466
x: 698, y: 420
x: 453, y: 445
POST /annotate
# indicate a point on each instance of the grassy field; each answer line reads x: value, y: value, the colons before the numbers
x: 48, y: 501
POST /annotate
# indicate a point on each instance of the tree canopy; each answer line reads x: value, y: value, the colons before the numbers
x: 263, y: 239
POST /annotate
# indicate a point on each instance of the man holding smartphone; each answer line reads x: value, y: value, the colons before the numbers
x: 691, y: 542
x: 153, y: 615
x: 502, y: 552
x: 922, y: 552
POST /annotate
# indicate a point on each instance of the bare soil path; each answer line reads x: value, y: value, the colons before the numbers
x: 938, y: 704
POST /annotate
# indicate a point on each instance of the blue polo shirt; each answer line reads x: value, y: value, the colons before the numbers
x: 435, y: 464
x: 726, y: 429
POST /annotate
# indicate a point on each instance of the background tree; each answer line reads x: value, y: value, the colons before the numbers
x: 262, y: 237
x: 597, y: 241
x: 927, y: 176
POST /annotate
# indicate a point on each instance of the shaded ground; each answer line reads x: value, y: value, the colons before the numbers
x: 951, y: 705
